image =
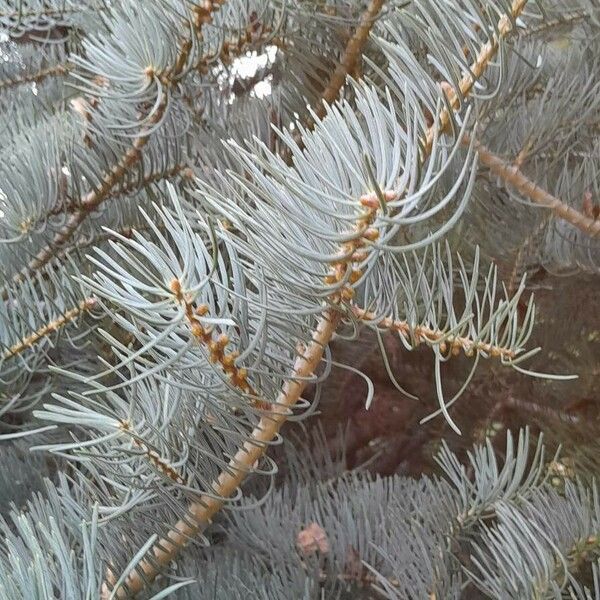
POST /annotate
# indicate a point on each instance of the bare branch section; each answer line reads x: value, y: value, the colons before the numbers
x: 68, y: 317
x: 511, y: 175
x: 347, y: 65
x: 351, y: 56
x: 420, y: 334
x: 201, y: 513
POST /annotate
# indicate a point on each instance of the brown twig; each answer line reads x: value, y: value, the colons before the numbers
x: 347, y: 65
x: 420, y: 334
x: 67, y: 317
x: 565, y: 19
x: 350, y: 58
x: 179, y: 169
x: 484, y: 57
x: 513, y: 177
x: 238, y: 376
x: 59, y: 70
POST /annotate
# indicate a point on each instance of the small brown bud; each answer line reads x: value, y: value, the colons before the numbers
x: 175, y: 287
x: 371, y: 234
x: 355, y: 275
x: 202, y: 309
x: 197, y: 330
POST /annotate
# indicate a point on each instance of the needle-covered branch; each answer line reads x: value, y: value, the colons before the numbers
x: 67, y: 318
x: 435, y: 337
x: 513, y: 177
x: 344, y: 274
x: 89, y: 203
x: 201, y: 513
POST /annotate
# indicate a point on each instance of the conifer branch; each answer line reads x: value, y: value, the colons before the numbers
x: 157, y: 461
x: 509, y: 173
x: 93, y: 200
x: 199, y: 514
x: 346, y: 66
x: 512, y: 176
x: 202, y: 15
x: 565, y: 19
x: 465, y: 86
x: 65, y: 319
x: 182, y: 169
x: 238, y: 376
x: 298, y: 245
x: 56, y: 70
x: 421, y: 334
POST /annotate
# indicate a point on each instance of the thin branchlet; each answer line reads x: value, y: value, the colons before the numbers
x: 181, y: 169
x: 568, y: 18
x: 347, y: 66
x: 158, y: 462
x: 512, y: 176
x: 59, y: 70
x: 467, y: 82
x: 50, y: 328
x: 426, y: 335
x: 216, y: 346
x: 350, y: 58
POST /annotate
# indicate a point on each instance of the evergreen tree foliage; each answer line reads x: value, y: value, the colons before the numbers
x: 201, y: 200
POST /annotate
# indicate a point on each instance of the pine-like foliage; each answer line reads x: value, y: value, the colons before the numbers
x: 199, y: 200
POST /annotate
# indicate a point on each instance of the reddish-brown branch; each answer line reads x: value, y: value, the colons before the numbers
x: 134, y: 186
x: 90, y: 202
x: 347, y: 65
x: 350, y: 58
